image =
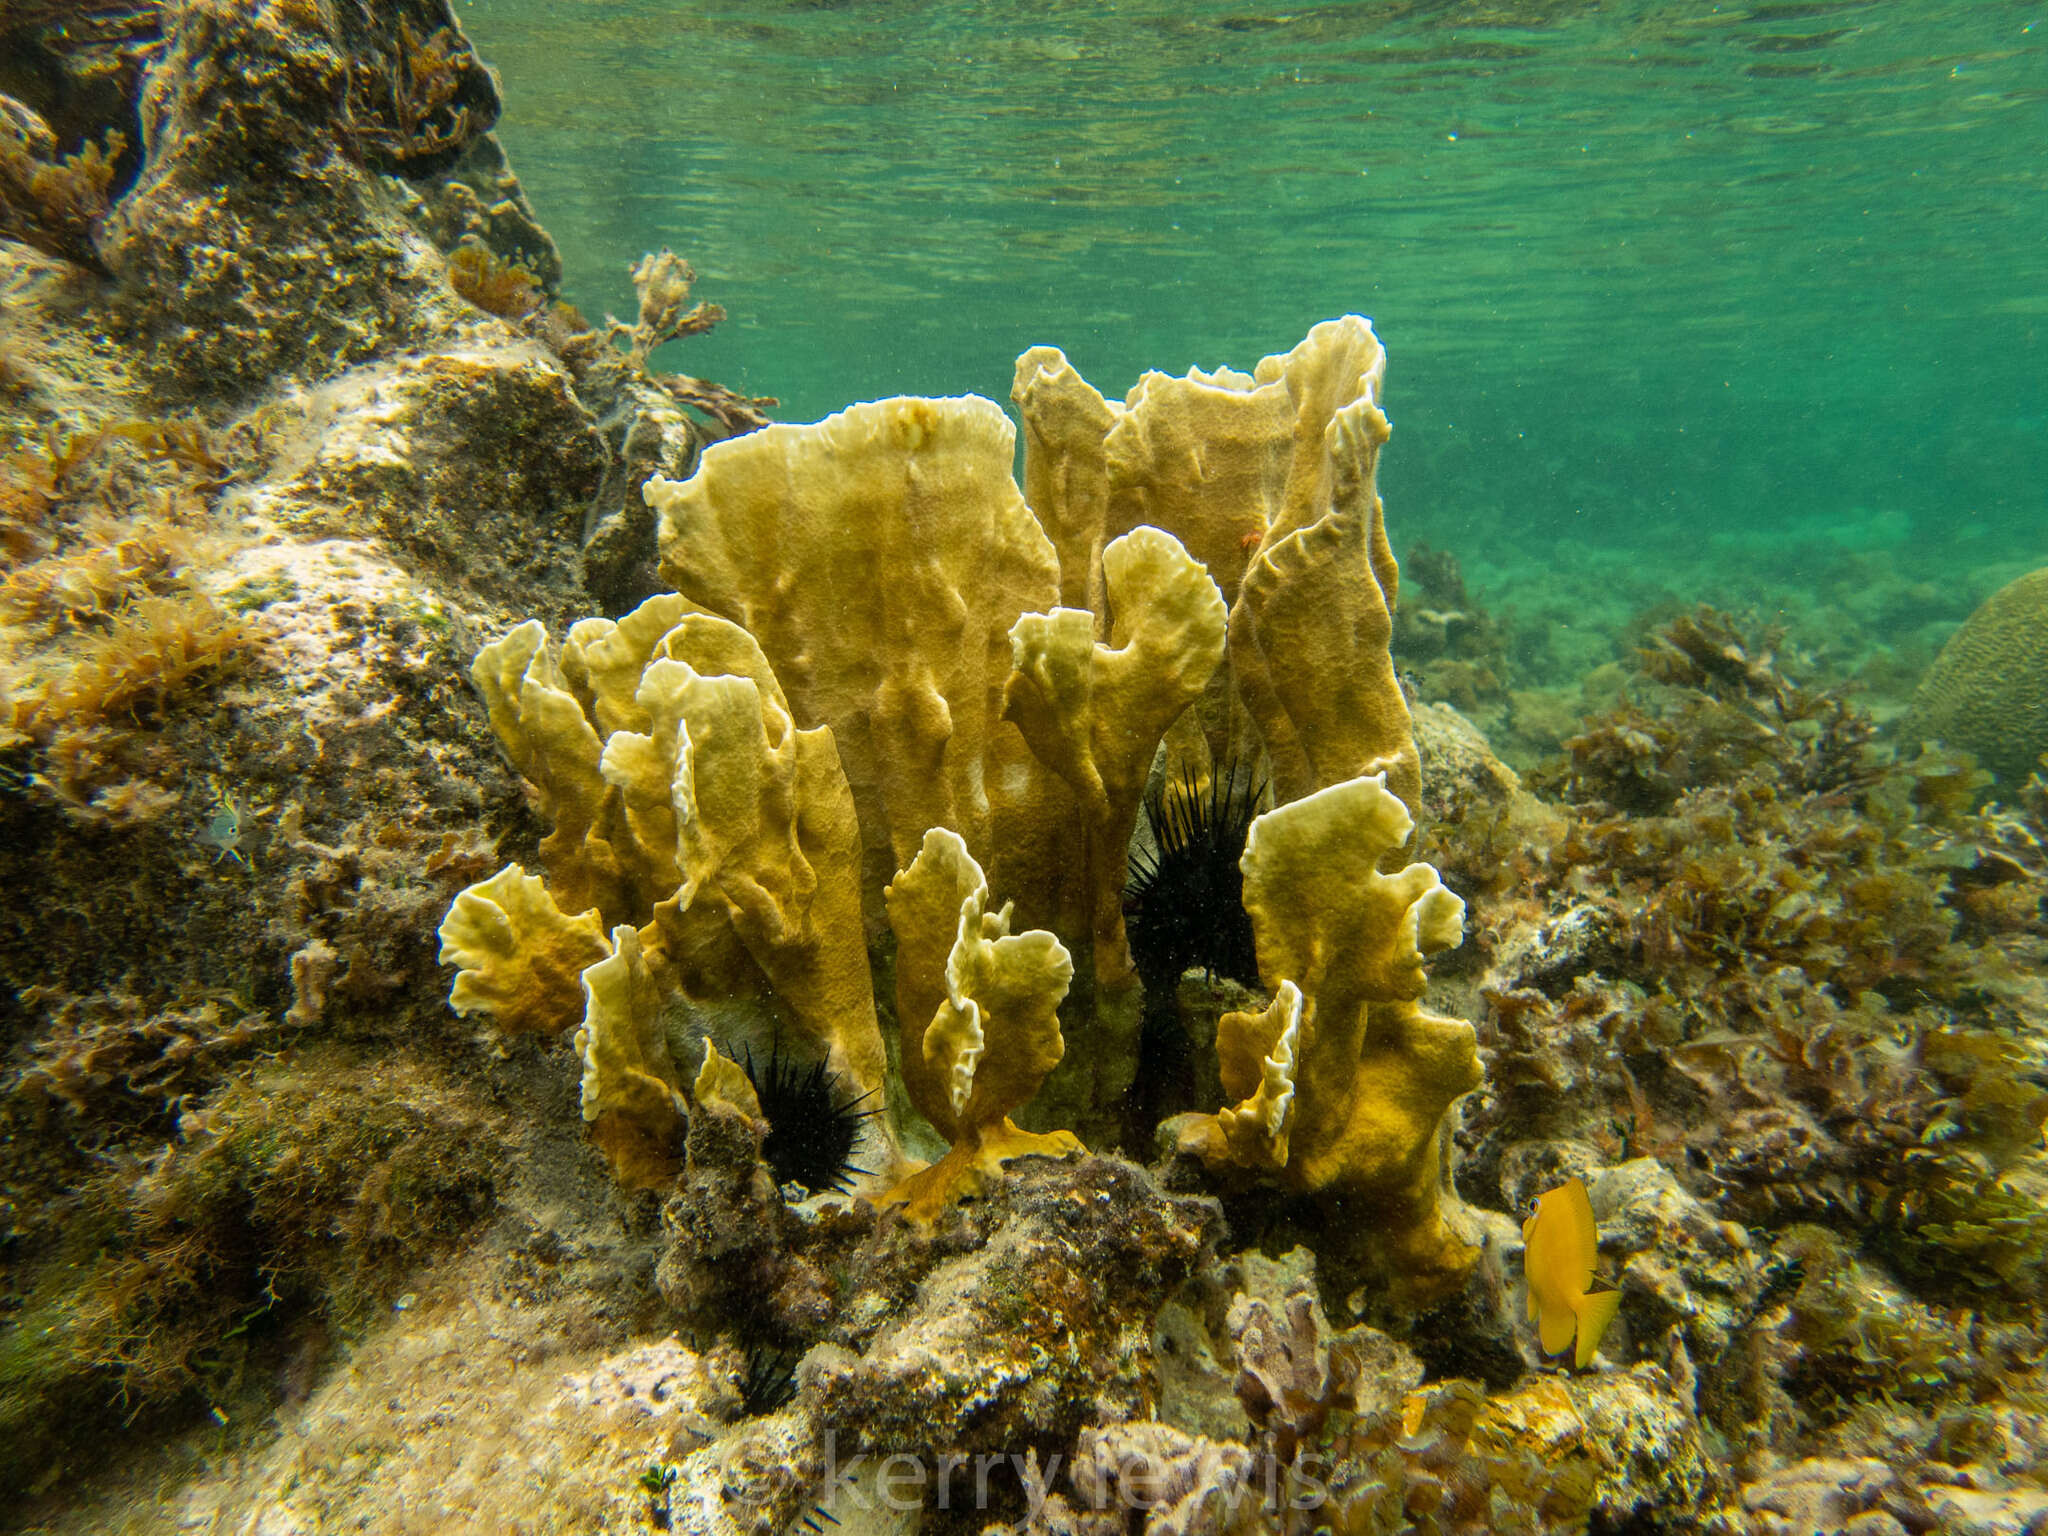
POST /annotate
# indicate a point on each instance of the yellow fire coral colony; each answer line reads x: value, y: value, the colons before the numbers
x: 1343, y: 1082
x: 714, y: 840
x: 891, y: 690
x: 980, y: 1007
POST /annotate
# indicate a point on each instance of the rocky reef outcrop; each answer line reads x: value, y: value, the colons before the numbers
x: 292, y: 415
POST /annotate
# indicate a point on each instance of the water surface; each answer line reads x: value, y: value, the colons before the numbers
x: 1685, y: 284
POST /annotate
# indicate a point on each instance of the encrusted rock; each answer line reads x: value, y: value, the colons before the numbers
x: 473, y: 463
x: 1683, y: 1267
x: 2016, y: 1511
x: 272, y: 474
x: 739, y: 1256
x: 1655, y: 1473
x: 1568, y: 945
x: 1461, y: 777
x: 1185, y: 1485
x: 1821, y: 1497
x: 1042, y: 1327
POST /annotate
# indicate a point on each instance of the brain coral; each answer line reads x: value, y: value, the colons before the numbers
x: 1987, y: 692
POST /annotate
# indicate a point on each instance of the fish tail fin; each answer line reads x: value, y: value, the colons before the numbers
x: 1596, y: 1310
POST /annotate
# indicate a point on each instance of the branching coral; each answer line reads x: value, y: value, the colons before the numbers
x: 881, y: 559
x: 1094, y: 713
x: 521, y: 957
x: 1141, y: 514
x: 1267, y: 479
x: 632, y: 1097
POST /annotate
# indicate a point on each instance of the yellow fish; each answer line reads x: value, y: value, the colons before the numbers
x: 1559, y: 1244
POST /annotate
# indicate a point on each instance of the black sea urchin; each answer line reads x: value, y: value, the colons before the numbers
x: 771, y: 1378
x: 813, y: 1126
x: 1184, y: 906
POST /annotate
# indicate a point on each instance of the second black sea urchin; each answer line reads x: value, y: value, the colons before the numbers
x: 813, y: 1123
x: 1184, y: 906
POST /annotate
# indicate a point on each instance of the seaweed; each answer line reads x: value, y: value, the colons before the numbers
x: 185, y: 442
x: 152, y: 649
x: 1288, y: 1381
x: 103, y: 625
x: 95, y: 581
x: 1710, y: 707
x: 1817, y: 981
x: 51, y: 203
x: 406, y: 105
x: 494, y: 285
x: 118, y: 1060
x: 1859, y: 1338
x: 28, y: 492
x: 1437, y: 1464
x: 662, y: 280
x: 296, y: 1195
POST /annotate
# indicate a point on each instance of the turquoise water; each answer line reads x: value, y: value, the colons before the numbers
x: 1676, y: 282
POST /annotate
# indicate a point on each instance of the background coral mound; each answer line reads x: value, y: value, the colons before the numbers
x: 1987, y: 693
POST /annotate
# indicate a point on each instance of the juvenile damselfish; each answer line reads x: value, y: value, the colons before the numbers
x: 1560, y: 1244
